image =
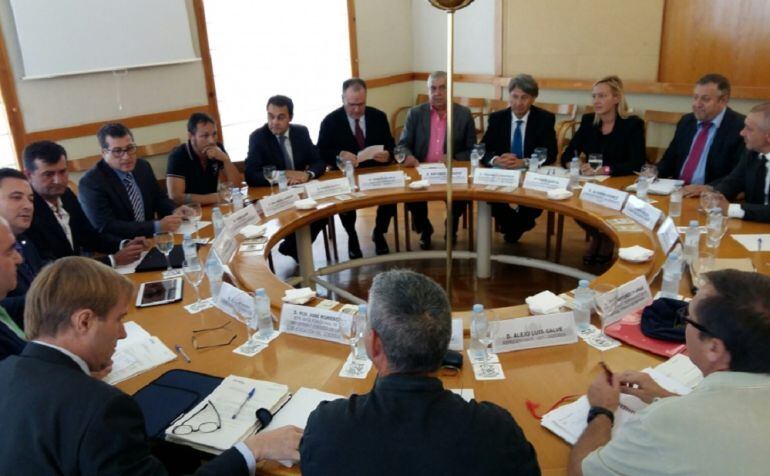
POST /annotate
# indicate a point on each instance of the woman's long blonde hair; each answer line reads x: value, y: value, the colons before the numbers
x: 616, y: 86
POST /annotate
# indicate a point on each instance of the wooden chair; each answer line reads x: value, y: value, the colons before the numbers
x: 654, y: 154
x: 478, y: 112
x: 564, y: 126
x: 398, y: 117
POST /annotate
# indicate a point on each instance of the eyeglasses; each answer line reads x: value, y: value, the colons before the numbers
x: 200, y: 341
x: 118, y: 152
x: 683, y: 318
x: 205, y: 427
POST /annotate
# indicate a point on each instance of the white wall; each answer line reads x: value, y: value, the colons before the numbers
x: 384, y: 30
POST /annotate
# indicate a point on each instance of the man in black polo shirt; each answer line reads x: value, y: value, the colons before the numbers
x: 194, y: 168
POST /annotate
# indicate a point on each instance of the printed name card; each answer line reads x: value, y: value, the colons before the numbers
x: 544, y: 183
x: 604, y: 196
x: 381, y: 180
x: 456, y: 341
x: 279, y: 202
x: 234, y: 302
x: 237, y: 220
x: 642, y: 212
x: 496, y: 177
x: 535, y: 331
x: 225, y: 245
x: 437, y: 176
x: 313, y: 322
x: 631, y: 297
x: 667, y: 234
x: 318, y: 189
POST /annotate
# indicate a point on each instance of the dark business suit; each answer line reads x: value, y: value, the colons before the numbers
x: 49, y: 236
x: 411, y: 425
x: 264, y: 149
x: 106, y: 203
x: 416, y: 138
x: 748, y: 177
x: 25, y: 274
x: 335, y: 136
x: 539, y: 132
x: 58, y: 420
x: 10, y: 343
x: 622, y: 149
x: 723, y: 155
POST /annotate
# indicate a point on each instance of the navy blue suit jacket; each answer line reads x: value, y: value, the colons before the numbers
x: 106, y: 203
x: 748, y: 177
x: 540, y: 132
x: 10, y: 344
x: 335, y: 135
x: 25, y: 274
x: 265, y: 150
x: 58, y: 420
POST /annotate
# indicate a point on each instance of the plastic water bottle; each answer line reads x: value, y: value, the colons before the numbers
x: 283, y: 181
x: 214, y: 272
x: 478, y: 325
x: 691, y: 242
x: 189, y: 247
x: 217, y: 220
x: 574, y: 172
x: 264, y: 317
x: 237, y: 197
x: 672, y: 274
x: 475, y: 160
x: 675, y: 203
x: 361, y: 332
x: 584, y: 298
x: 350, y: 173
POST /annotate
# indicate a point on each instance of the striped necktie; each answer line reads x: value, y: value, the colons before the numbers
x: 135, y: 197
x: 288, y: 162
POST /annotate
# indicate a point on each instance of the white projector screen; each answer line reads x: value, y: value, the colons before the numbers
x: 62, y: 37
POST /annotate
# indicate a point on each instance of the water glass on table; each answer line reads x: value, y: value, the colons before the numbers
x: 399, y: 153
x: 193, y: 273
x: 268, y: 171
x: 675, y: 203
x: 716, y: 226
x: 164, y: 241
x: 595, y: 161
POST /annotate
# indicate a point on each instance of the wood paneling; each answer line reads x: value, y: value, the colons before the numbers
x: 208, y: 69
x: 353, y: 38
x: 11, y: 100
x: 731, y: 37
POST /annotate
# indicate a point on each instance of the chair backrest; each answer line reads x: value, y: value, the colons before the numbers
x: 497, y: 105
x: 147, y: 150
x: 654, y: 154
x: 478, y: 112
x: 569, y: 110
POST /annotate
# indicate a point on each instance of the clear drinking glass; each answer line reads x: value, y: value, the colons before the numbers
x: 225, y: 190
x: 708, y: 201
x: 165, y: 243
x: 542, y: 155
x: 194, y: 214
x: 715, y: 228
x: 193, y: 273
x: 269, y: 173
x: 353, y: 331
x: 595, y: 161
x: 487, y: 334
x: 675, y: 203
x: 647, y: 176
x: 399, y: 152
x: 249, y: 317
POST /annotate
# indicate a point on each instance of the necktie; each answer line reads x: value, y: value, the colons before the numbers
x: 517, y: 144
x: 766, y: 161
x: 359, y: 134
x: 288, y: 162
x: 697, y: 150
x: 134, y: 197
x: 6, y: 319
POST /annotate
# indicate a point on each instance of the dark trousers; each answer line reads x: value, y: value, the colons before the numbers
x: 384, y: 214
x: 515, y: 221
x: 420, y: 222
x: 288, y: 246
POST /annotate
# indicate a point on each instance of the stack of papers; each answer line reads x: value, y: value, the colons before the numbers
x: 137, y: 353
x: 227, y: 399
x: 299, y: 408
x: 253, y: 231
x: 544, y: 302
x: 678, y: 375
x: 298, y: 296
x: 659, y: 186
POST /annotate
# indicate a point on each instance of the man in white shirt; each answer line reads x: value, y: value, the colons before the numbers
x: 721, y: 427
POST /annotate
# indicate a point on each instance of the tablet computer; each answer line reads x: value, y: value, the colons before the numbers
x: 155, y: 293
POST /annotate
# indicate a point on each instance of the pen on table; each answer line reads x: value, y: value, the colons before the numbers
x: 248, y: 397
x: 181, y: 352
x: 759, y: 245
x: 607, y: 371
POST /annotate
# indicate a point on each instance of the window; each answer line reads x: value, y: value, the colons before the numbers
x: 7, y: 150
x: 299, y: 48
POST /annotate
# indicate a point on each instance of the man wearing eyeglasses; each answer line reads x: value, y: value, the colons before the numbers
x: 58, y: 419
x: 721, y: 427
x: 120, y: 194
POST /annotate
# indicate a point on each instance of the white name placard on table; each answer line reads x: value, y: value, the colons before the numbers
x: 318, y: 189
x: 535, y: 331
x: 667, y: 234
x: 381, y: 180
x: 631, y: 297
x: 642, y: 212
x: 497, y: 177
x: 544, y: 183
x: 313, y: 322
x: 604, y: 196
x: 279, y: 202
x: 234, y: 302
x: 437, y: 175
x: 237, y: 220
x: 225, y: 245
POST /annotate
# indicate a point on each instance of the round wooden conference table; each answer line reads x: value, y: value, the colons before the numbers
x: 542, y: 375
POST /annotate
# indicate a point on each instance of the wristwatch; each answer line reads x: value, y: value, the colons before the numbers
x: 596, y: 411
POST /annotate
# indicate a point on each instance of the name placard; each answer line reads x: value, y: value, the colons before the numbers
x: 279, y: 202
x: 225, y: 245
x: 667, y: 234
x: 237, y: 220
x: 535, y: 331
x: 313, y: 322
x: 544, y: 183
x: 381, y: 180
x: 234, y: 302
x: 497, y: 177
x: 632, y: 296
x: 604, y: 196
x: 318, y: 189
x: 642, y: 212
x: 437, y: 176
x: 456, y: 341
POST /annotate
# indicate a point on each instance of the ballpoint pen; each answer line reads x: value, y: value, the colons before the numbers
x: 248, y: 397
x: 181, y: 352
x: 607, y: 371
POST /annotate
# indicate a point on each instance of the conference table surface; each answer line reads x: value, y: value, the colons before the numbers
x: 542, y: 375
